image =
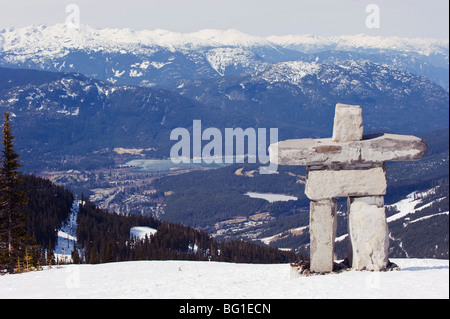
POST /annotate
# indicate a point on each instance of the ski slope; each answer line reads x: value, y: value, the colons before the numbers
x: 67, y: 236
x: 418, y: 278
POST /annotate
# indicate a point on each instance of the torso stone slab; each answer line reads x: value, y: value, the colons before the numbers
x: 323, y: 184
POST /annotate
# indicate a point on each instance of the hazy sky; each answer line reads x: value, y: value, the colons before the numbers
x: 405, y: 18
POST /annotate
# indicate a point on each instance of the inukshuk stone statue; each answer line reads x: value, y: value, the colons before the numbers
x: 348, y: 165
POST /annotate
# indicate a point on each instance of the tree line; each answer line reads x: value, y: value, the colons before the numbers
x: 17, y: 247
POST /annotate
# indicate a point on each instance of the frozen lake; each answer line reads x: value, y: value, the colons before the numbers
x: 271, y: 197
x: 165, y: 165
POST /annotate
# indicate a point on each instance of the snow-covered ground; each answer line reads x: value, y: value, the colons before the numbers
x: 418, y: 278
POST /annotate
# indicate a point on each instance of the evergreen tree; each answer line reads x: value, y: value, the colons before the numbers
x: 50, y: 255
x: 14, y: 239
x: 75, y: 256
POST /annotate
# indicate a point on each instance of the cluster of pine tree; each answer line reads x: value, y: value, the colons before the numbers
x: 18, y: 249
x: 48, y: 207
x: 105, y: 237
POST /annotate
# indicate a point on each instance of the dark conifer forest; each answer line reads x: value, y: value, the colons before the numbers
x: 105, y: 237
x: 48, y: 207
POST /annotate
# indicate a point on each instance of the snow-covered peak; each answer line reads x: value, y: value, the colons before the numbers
x: 50, y: 38
x: 229, y: 37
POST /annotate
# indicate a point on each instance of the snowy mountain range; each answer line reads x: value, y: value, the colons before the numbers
x: 45, y: 38
x: 84, y: 115
x: 160, y: 57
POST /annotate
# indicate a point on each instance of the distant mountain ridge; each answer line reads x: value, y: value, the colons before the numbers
x: 160, y: 57
x: 310, y: 43
x: 87, y: 37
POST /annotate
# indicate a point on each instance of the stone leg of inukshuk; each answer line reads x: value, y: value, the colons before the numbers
x: 368, y: 232
x: 347, y: 165
x: 322, y: 229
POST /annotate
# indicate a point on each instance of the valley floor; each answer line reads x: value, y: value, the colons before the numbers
x: 418, y: 278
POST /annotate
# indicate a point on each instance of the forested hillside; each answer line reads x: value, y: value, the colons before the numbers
x: 105, y: 237
x: 47, y: 208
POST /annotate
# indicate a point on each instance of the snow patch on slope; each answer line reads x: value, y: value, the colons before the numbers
x: 292, y: 72
x: 411, y: 204
x: 221, y: 58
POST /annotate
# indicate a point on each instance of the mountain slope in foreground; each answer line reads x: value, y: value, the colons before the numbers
x: 418, y: 278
